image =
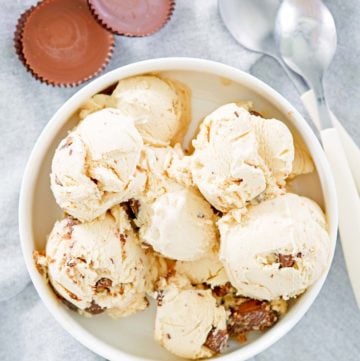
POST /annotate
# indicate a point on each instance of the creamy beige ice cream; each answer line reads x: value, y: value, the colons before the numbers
x: 303, y: 163
x: 100, y: 266
x: 189, y: 323
x: 279, y: 249
x: 180, y: 225
x: 157, y: 164
x: 239, y: 156
x: 207, y: 270
x: 160, y: 106
x: 94, y: 167
x: 275, y: 146
x: 96, y: 103
x: 176, y: 221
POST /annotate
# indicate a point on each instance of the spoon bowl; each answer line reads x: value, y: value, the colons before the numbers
x: 306, y: 35
x: 251, y: 23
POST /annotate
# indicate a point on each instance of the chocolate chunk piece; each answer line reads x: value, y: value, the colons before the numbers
x: 287, y: 260
x: 216, y: 211
x: 216, y: 340
x: 122, y: 237
x: 132, y: 207
x: 159, y: 298
x: 94, y: 308
x: 70, y: 226
x: 109, y: 90
x: 221, y: 291
x: 254, y: 112
x: 73, y: 296
x: 103, y: 284
x: 251, y: 315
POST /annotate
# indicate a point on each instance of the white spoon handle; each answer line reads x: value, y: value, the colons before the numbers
x: 352, y: 151
x: 348, y: 205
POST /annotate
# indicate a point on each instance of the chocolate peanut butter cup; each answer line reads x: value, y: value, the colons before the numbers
x: 62, y: 44
x: 132, y: 17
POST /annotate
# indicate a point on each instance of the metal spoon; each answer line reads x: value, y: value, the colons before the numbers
x: 252, y: 23
x: 306, y: 34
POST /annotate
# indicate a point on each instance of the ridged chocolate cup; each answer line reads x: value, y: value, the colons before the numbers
x: 17, y: 38
x: 133, y: 18
x: 62, y: 44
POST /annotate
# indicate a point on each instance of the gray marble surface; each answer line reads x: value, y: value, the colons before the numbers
x: 329, y: 331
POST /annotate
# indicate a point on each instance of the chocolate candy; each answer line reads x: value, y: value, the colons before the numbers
x: 132, y: 17
x: 61, y: 43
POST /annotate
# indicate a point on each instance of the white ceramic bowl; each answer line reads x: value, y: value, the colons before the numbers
x: 212, y: 85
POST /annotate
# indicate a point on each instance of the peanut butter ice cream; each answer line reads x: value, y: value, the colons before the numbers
x: 94, y: 167
x: 278, y: 249
x: 160, y: 107
x: 99, y: 266
x: 189, y: 323
x: 239, y: 157
x: 208, y: 270
x: 180, y: 225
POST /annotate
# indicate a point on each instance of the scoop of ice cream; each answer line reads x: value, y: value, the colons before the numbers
x: 160, y: 106
x: 280, y: 248
x: 99, y: 265
x: 207, y: 270
x: 113, y: 148
x: 239, y: 156
x: 94, y: 167
x: 189, y: 323
x: 180, y: 225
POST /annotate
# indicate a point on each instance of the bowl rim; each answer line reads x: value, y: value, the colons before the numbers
x: 160, y: 65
